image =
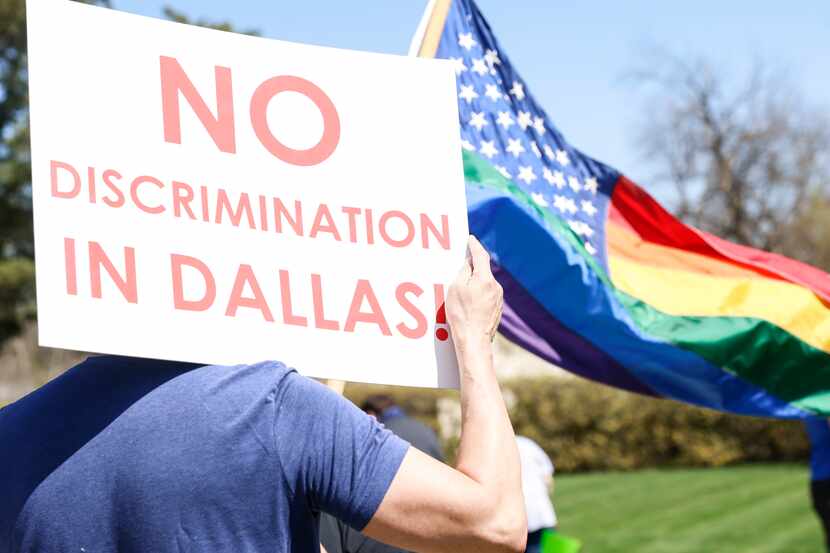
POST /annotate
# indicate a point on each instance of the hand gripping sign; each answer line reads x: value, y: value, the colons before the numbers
x: 216, y: 198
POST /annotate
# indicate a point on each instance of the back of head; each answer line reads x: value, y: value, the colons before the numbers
x: 377, y: 403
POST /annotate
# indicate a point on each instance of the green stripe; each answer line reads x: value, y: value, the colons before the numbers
x: 756, y: 350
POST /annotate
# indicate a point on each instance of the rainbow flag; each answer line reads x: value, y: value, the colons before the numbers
x: 600, y: 279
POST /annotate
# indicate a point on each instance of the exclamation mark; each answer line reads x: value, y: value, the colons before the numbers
x: 440, y: 314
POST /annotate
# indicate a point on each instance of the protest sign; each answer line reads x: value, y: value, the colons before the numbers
x: 217, y: 198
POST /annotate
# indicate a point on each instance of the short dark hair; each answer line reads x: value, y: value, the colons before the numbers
x: 377, y: 403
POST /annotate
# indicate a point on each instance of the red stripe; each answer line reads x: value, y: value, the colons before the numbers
x: 633, y: 208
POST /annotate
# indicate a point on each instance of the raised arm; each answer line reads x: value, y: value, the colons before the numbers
x: 478, y: 506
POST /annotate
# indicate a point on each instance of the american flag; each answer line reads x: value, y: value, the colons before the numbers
x: 501, y: 122
x: 657, y: 324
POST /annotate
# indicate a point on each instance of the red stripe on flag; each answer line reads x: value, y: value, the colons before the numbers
x: 633, y: 208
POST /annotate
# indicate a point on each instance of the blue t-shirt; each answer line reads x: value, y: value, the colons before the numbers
x: 818, y: 431
x: 136, y: 455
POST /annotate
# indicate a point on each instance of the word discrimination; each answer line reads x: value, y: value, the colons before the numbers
x: 173, y: 198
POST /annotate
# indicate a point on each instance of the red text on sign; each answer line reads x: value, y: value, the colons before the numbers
x: 222, y: 126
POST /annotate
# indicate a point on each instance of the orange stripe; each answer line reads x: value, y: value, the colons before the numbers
x: 652, y: 222
x: 624, y: 242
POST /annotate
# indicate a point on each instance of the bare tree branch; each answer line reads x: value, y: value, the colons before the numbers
x: 747, y: 159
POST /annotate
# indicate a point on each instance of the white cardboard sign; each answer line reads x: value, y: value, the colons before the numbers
x: 216, y: 198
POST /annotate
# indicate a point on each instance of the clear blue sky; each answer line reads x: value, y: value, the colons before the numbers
x: 573, y: 55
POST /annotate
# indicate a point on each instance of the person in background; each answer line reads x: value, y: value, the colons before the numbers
x: 393, y: 417
x: 818, y: 430
x: 537, y: 485
x: 338, y: 537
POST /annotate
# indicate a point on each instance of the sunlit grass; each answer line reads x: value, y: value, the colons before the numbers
x: 751, y: 509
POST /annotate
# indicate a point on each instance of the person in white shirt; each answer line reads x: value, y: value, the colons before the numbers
x: 537, y: 483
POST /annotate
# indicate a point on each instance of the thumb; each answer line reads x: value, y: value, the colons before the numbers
x: 464, y: 273
x: 479, y: 258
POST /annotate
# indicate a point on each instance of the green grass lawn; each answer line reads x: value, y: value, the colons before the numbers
x: 751, y: 509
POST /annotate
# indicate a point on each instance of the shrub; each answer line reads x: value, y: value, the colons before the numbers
x: 585, y: 426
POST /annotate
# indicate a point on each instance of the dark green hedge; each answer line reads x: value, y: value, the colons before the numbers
x: 586, y: 426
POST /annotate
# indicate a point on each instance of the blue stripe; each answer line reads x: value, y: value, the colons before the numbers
x: 527, y: 323
x: 565, y: 285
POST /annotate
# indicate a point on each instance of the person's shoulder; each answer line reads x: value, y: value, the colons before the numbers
x: 242, y: 373
x: 240, y: 380
x: 304, y: 394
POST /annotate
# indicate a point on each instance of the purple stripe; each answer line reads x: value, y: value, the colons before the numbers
x: 540, y: 333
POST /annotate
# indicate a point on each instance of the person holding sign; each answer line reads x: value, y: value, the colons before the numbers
x: 127, y: 454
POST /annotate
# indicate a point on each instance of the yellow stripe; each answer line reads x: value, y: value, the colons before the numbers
x: 675, y: 292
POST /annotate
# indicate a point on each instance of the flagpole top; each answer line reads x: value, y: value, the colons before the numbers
x: 428, y: 34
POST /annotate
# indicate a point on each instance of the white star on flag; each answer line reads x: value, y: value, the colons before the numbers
x: 549, y: 176
x: 526, y: 174
x: 589, y: 207
x: 514, y: 146
x: 488, y: 148
x: 466, y: 41
x: 504, y: 119
x: 492, y: 92
x: 570, y: 206
x: 458, y: 65
x: 591, y: 185
x: 581, y: 228
x: 518, y: 90
x: 478, y: 121
x: 480, y: 67
x: 468, y: 93
x: 492, y: 57
x: 576, y: 226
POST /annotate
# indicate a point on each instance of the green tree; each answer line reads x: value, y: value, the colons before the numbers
x: 179, y: 17
x: 17, y: 271
x: 16, y: 243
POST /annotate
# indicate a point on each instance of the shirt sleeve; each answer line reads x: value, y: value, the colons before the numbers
x: 338, y: 458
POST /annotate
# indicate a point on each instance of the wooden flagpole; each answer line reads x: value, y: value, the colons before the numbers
x: 428, y: 35
x: 337, y: 385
